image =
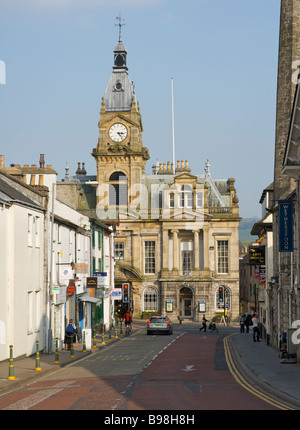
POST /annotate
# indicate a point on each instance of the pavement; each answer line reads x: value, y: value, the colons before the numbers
x: 256, y: 360
x: 262, y: 364
x: 24, y: 368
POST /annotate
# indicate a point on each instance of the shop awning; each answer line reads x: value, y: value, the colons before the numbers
x: 87, y: 298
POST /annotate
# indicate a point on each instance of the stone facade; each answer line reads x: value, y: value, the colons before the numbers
x: 282, y: 302
x: 176, y: 238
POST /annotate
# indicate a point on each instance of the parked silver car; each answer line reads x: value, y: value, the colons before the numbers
x: 159, y: 324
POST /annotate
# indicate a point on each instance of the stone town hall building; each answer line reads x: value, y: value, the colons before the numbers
x: 176, y: 240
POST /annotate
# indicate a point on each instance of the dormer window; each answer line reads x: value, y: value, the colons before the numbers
x: 185, y: 197
x: 172, y: 200
x: 199, y: 200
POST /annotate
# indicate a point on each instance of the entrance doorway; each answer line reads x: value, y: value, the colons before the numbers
x: 186, y: 302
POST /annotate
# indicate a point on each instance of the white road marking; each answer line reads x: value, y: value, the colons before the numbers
x: 188, y: 368
x: 38, y: 397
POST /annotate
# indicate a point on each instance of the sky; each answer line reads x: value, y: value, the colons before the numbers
x: 222, y: 56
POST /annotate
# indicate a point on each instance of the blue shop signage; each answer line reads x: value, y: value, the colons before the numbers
x: 286, y: 236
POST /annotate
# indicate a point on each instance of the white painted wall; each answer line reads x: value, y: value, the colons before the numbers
x: 22, y: 280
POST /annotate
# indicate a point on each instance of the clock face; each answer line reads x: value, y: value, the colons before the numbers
x: 118, y: 132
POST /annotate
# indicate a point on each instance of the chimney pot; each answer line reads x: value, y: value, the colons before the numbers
x: 42, y: 161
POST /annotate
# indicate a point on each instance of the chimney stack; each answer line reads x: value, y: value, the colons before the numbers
x: 42, y: 161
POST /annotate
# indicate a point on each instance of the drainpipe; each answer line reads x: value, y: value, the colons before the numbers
x: 278, y: 302
x: 291, y: 291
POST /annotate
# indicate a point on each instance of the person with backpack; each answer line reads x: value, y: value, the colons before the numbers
x: 70, y: 335
x: 128, y: 321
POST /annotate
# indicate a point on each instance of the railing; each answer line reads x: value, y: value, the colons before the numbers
x: 119, y: 214
x: 220, y: 210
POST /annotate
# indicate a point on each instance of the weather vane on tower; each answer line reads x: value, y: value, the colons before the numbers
x: 120, y: 24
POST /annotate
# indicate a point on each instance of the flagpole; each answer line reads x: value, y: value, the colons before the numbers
x: 173, y: 132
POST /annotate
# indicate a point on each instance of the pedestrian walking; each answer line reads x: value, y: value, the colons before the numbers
x: 70, y: 334
x: 248, y: 321
x: 255, y: 322
x: 242, y: 323
x: 204, y: 321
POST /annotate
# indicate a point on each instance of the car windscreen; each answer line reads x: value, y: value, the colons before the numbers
x: 158, y: 320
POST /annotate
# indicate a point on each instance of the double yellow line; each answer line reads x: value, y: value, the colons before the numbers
x: 240, y: 380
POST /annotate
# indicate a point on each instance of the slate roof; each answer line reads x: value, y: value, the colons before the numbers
x: 10, y: 194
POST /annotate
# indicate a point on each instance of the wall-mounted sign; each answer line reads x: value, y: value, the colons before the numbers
x: 169, y: 306
x: 60, y: 296
x: 116, y: 294
x: 286, y: 236
x: 65, y: 272
x: 102, y: 279
x: 201, y: 305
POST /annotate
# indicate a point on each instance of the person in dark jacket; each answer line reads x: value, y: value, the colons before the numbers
x: 70, y: 334
x: 248, y: 322
x: 204, y: 321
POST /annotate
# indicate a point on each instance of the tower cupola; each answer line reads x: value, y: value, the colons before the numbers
x: 119, y: 92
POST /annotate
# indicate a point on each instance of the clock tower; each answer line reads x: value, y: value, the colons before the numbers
x: 120, y: 155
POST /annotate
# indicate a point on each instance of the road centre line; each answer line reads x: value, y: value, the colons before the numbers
x: 138, y: 374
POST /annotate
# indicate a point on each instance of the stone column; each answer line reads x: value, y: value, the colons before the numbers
x: 196, y: 253
x: 205, y: 250
x: 165, y: 254
x: 175, y: 252
x: 135, y: 251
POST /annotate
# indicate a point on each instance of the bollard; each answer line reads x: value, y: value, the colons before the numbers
x: 109, y: 333
x: 84, y: 343
x: 94, y: 339
x: 11, y: 374
x: 121, y: 328
x: 103, y: 341
x: 37, y: 360
x: 56, y: 361
x: 72, y: 355
x: 116, y: 335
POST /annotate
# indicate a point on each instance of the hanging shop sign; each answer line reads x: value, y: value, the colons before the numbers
x: 81, y: 268
x: 91, y: 282
x: 286, y: 236
x: 257, y: 255
x: 257, y: 271
x: 262, y: 276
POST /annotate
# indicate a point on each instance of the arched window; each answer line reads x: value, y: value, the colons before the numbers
x: 185, y: 197
x: 118, y: 189
x: 220, y: 299
x: 150, y: 300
